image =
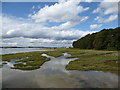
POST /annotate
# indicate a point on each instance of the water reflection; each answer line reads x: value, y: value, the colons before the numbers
x: 53, y: 75
x: 20, y: 50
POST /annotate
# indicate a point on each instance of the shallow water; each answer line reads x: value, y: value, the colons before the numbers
x: 54, y: 75
x: 19, y: 50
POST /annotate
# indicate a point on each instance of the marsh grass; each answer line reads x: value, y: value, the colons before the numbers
x: 91, y: 60
x: 56, y: 53
x: 1, y: 66
x: 4, y: 63
x: 94, y: 60
x: 26, y: 68
x: 88, y: 60
x: 33, y: 61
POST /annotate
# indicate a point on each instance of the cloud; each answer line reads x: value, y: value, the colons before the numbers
x: 9, y: 44
x: 95, y: 26
x: 108, y: 9
x: 60, y: 12
x: 27, y: 30
x: 34, y: 32
x: 33, y: 7
x: 110, y: 18
x: 96, y: 10
x: 38, y: 7
x: 69, y: 24
x: 97, y: 18
x: 107, y: 20
x: 69, y: 16
x: 88, y: 0
x: 87, y: 8
x: 21, y: 41
x: 55, y: 13
x: 17, y: 28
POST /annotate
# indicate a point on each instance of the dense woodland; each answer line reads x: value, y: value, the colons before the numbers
x: 106, y: 39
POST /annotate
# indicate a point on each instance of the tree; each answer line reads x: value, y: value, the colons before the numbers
x: 105, y: 39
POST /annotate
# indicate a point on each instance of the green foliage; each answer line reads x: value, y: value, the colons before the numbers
x: 94, y: 60
x: 108, y: 39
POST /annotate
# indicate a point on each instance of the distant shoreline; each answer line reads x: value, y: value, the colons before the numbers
x: 31, y: 47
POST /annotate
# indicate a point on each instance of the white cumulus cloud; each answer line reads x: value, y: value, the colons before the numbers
x: 95, y: 26
x: 107, y: 8
x: 33, y: 31
x: 28, y: 32
x: 96, y: 10
x: 60, y: 12
x: 106, y: 20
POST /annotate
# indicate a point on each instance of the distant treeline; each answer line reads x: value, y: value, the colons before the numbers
x: 105, y: 39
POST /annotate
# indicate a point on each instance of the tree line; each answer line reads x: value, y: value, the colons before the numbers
x: 108, y: 39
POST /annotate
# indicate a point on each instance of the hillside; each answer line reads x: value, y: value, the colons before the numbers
x: 105, y: 39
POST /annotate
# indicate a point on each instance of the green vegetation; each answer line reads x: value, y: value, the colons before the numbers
x: 97, y: 60
x: 55, y: 53
x: 30, y: 60
x: 26, y: 61
x: 106, y: 39
x: 1, y: 66
x: 26, y: 68
x: 88, y: 60
x: 4, y: 63
x: 93, y: 60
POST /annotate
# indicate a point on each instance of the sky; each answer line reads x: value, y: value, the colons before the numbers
x: 54, y: 24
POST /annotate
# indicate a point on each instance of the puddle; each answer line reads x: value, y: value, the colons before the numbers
x: 53, y: 74
x: 45, y: 55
